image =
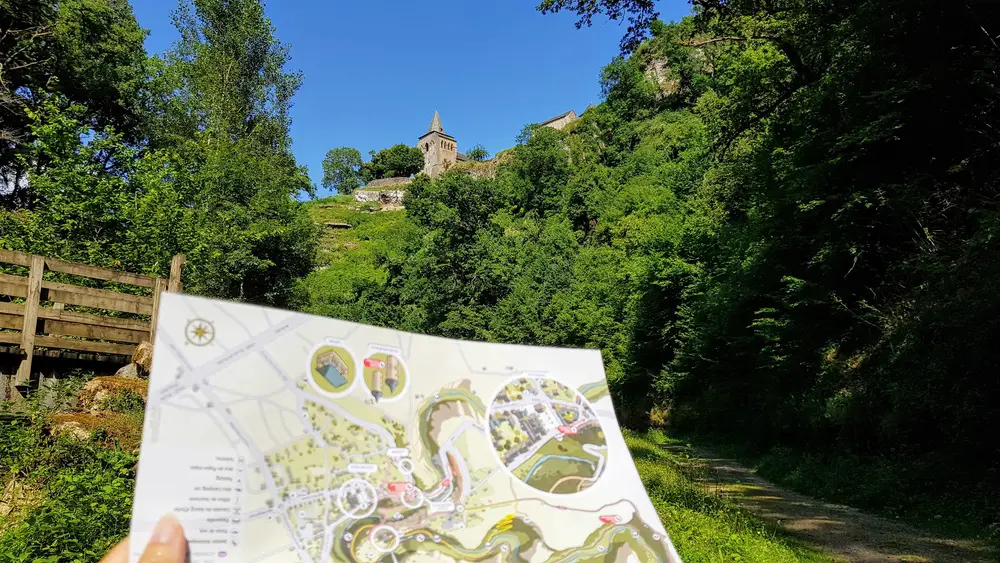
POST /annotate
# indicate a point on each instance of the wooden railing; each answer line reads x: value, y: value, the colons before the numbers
x: 52, y: 326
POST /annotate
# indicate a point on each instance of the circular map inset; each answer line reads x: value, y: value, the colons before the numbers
x: 332, y: 369
x: 385, y: 376
x: 547, y: 435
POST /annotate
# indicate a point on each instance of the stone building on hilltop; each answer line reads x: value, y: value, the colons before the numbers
x: 441, y: 149
x: 440, y: 153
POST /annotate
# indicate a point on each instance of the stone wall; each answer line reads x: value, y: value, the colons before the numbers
x: 487, y: 169
x: 562, y: 121
x: 386, y: 182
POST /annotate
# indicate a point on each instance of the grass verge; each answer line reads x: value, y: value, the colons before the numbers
x: 705, y: 526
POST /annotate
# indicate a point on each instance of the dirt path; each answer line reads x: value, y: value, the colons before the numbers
x: 845, y: 533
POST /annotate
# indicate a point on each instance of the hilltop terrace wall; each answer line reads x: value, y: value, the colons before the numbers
x: 387, y: 191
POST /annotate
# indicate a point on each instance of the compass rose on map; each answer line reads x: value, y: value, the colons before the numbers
x: 199, y: 332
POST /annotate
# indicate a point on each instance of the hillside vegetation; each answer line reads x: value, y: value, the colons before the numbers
x: 778, y: 227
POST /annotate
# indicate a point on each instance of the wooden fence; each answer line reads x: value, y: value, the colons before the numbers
x: 43, y: 320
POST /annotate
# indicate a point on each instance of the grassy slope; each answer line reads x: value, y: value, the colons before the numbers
x: 350, y: 259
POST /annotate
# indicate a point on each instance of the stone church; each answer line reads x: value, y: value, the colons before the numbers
x: 441, y: 149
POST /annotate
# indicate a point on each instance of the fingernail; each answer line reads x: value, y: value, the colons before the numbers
x: 167, y: 530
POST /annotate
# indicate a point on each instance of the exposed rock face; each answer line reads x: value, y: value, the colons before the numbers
x: 385, y: 197
x: 143, y: 356
x: 659, y: 72
x: 74, y: 424
x: 96, y: 390
x: 90, y: 420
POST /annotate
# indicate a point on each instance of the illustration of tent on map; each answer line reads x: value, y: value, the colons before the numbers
x: 332, y: 368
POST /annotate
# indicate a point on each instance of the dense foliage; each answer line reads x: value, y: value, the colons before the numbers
x: 396, y: 161
x: 779, y: 228
x: 67, y: 499
x: 88, y: 51
x: 203, y: 167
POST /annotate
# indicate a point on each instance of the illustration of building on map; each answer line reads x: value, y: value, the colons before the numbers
x: 392, y: 373
x: 376, y: 384
x: 332, y: 369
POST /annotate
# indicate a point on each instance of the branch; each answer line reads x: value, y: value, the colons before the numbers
x: 26, y: 65
x: 725, y: 38
x: 723, y: 146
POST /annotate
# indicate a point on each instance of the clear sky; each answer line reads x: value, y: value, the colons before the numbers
x: 376, y: 71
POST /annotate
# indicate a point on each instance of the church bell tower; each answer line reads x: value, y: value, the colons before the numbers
x: 440, y: 149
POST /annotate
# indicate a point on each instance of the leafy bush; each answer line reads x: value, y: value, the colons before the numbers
x: 83, y: 502
x: 76, y: 498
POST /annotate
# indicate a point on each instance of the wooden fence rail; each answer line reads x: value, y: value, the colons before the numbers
x: 52, y: 326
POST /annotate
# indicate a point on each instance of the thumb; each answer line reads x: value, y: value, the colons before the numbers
x: 167, y: 544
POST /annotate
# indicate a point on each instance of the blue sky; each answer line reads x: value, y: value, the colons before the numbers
x: 376, y: 71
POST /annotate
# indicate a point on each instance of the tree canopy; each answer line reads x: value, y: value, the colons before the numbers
x: 342, y: 170
x: 88, y: 52
x: 396, y: 161
x: 478, y: 153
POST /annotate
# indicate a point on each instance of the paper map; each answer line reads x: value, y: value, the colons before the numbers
x: 278, y: 436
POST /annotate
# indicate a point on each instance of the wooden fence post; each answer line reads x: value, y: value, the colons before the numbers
x: 158, y: 288
x: 31, y: 303
x: 176, y: 265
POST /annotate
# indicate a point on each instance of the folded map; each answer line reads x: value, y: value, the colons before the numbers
x: 278, y: 436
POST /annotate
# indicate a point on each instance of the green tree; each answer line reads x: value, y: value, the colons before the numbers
x: 214, y: 179
x: 88, y: 51
x: 478, y: 153
x: 396, y: 161
x: 342, y: 170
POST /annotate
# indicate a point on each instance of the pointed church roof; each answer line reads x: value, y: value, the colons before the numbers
x: 436, y: 127
x: 436, y: 124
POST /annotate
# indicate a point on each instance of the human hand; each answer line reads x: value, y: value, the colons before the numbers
x: 166, y: 545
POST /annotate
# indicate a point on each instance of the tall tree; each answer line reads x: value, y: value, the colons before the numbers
x: 230, y: 71
x: 215, y: 180
x: 342, y: 170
